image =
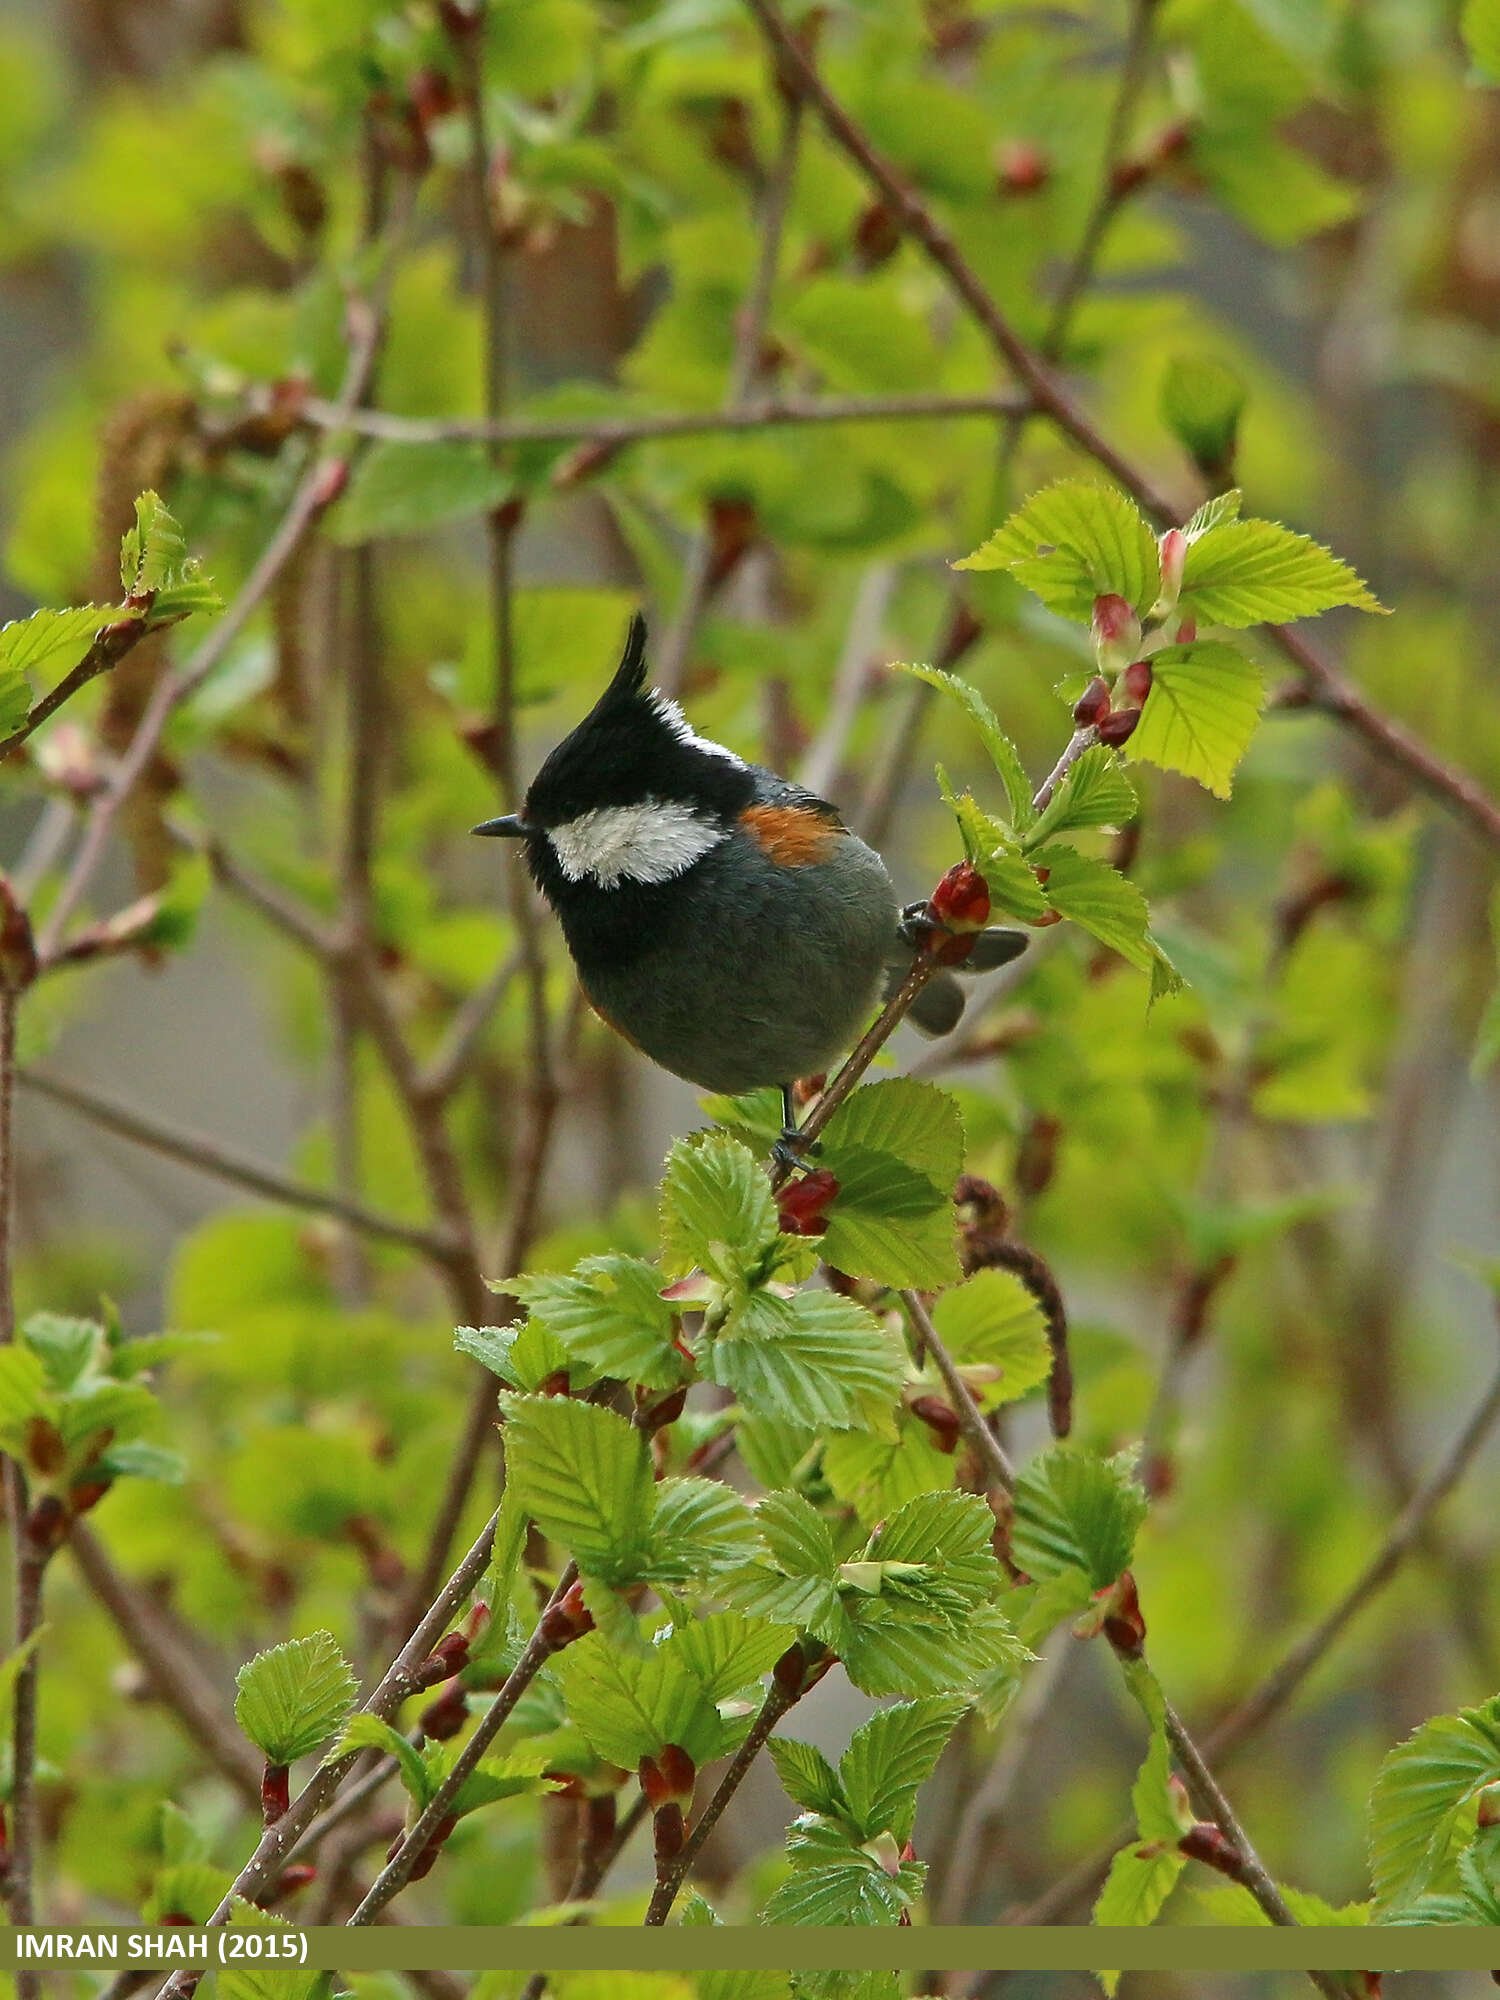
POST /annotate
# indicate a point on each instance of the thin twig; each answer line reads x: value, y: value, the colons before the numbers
x: 315, y: 491
x: 174, y: 1676
x: 226, y: 1163
x: 449, y: 1064
x: 698, y: 577
x: 414, y: 1844
x: 110, y: 645
x: 1052, y: 400
x: 400, y: 1680
x: 612, y: 433
x: 778, y: 1700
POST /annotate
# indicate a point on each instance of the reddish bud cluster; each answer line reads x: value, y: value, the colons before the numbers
x: 444, y: 1717
x: 1204, y: 1842
x: 275, y: 1792
x: 1118, y: 726
x: 802, y: 1204
x: 958, y: 910
x: 795, y: 1672
x: 18, y: 959
x: 877, y: 236
x: 1093, y: 704
x: 940, y: 1418
x: 653, y: 1417
x: 1124, y: 1624
x: 430, y: 1852
x: 1136, y: 681
x: 668, y: 1778
x: 449, y: 1656
x: 567, y: 1620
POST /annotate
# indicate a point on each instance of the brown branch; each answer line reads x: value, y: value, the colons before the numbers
x: 1051, y: 398
x: 778, y: 1700
x: 698, y: 577
x: 450, y: 1063
x: 614, y: 433
x: 315, y: 491
x: 415, y: 1843
x: 225, y: 1163
x: 174, y: 1676
x: 401, y: 1679
x: 110, y: 645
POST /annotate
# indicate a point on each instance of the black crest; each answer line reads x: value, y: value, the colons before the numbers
x: 633, y: 745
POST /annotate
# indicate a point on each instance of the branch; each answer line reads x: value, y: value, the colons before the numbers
x: 449, y: 1064
x: 699, y: 578
x: 610, y: 434
x: 402, y: 1678
x: 415, y: 1843
x: 175, y: 1678
x: 771, y: 1710
x: 315, y: 491
x: 1203, y: 1789
x: 239, y: 1169
x: 111, y: 643
x: 1046, y: 392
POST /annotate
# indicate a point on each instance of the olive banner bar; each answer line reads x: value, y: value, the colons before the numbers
x: 521, y: 1948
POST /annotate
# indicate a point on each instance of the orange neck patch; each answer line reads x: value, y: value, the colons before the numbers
x: 792, y: 836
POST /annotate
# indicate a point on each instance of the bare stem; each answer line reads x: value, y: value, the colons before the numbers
x: 109, y: 647
x: 225, y: 1163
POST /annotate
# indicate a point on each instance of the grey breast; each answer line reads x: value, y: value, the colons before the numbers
x: 772, y: 972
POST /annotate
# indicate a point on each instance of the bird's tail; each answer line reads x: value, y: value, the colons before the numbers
x: 939, y: 1006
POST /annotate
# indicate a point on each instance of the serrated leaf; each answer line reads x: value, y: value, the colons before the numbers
x: 1073, y: 542
x: 1202, y: 711
x: 65, y: 1347
x: 815, y: 1358
x: 294, y: 1696
x: 1151, y: 1795
x: 890, y: 1757
x: 1076, y: 1511
x: 743, y: 1985
x: 628, y: 1705
x: 994, y: 1322
x: 727, y: 1651
x: 855, y: 1890
x: 1100, y: 900
x: 1140, y: 1879
x: 1253, y: 572
x: 1419, y: 1807
x: 584, y: 1475
x: 896, y: 1149
x: 886, y: 1652
x: 368, y: 1732
x: 807, y: 1777
x: 879, y: 1474
x: 408, y: 489
x: 1095, y: 792
x: 718, y: 1212
x: 23, y: 1393
x: 1014, y: 889
x: 186, y: 1889
x: 1003, y: 753
x: 799, y: 1539
x: 949, y: 1536
x: 701, y: 1529
x: 153, y: 551
x: 608, y: 1312
x: 1222, y: 507
x: 39, y: 645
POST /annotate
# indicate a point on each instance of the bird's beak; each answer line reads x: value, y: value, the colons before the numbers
x: 510, y: 826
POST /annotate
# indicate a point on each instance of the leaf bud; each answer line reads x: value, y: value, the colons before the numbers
x: 1117, y: 631
x: 1135, y: 682
x: 1118, y: 726
x: 1174, y: 548
x: 1022, y: 167
x: 1093, y: 704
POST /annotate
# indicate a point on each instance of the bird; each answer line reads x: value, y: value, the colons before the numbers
x: 723, y: 920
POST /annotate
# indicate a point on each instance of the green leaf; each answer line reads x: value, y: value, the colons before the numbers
x: 1101, y: 900
x: 879, y: 1474
x: 854, y: 1889
x: 609, y: 1314
x: 896, y: 1148
x: 1480, y: 26
x: 798, y: 1538
x: 407, y: 489
x: 191, y: 1889
x: 1140, y: 1879
x: 1003, y: 753
x: 1202, y: 400
x: 701, y: 1529
x: 1272, y: 187
x: 948, y: 1537
x: 368, y: 1732
x: 890, y: 1757
x: 1203, y: 709
x: 1423, y: 1801
x: 727, y: 1651
x: 1253, y: 572
x: 886, y: 1653
x: 815, y: 1358
x: 1073, y: 542
x: 23, y: 1393
x: 718, y: 1212
x: 65, y: 1347
x: 153, y: 550
x: 1075, y: 1510
x: 1222, y: 507
x: 38, y: 644
x: 1014, y: 889
x: 584, y: 1475
x: 808, y: 1778
x: 992, y: 1321
x: 522, y: 1356
x: 294, y: 1696
x: 1151, y: 1795
x: 1095, y: 792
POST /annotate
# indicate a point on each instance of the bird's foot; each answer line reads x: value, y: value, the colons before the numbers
x: 793, y: 1149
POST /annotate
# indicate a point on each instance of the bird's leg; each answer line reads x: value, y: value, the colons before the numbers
x: 917, y: 925
x: 791, y: 1148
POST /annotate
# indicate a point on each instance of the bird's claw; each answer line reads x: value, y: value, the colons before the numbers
x: 793, y: 1148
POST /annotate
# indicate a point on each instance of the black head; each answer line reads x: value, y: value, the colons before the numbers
x: 632, y: 745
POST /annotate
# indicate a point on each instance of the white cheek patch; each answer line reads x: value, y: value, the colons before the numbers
x: 649, y: 842
x: 683, y: 730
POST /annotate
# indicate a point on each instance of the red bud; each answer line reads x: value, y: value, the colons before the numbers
x: 1187, y: 631
x: 669, y: 1832
x: 939, y: 1418
x: 18, y: 960
x: 1117, y: 630
x: 444, y: 1717
x: 1022, y: 167
x: 275, y: 1792
x: 679, y: 1774
x: 1136, y: 680
x: 296, y: 1875
x: 1204, y: 1842
x: 961, y: 901
x: 1119, y: 725
x: 802, y: 1204
x: 1125, y: 1626
x: 1174, y: 547
x: 1093, y: 704
x: 332, y: 478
